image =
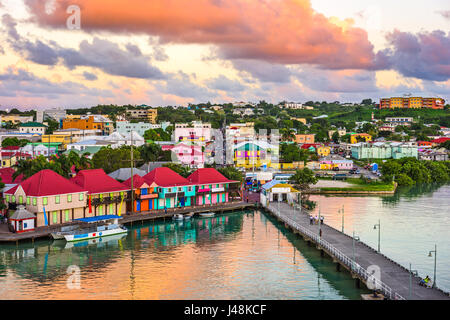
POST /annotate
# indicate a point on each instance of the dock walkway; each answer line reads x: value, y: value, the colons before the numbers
x: 394, y: 279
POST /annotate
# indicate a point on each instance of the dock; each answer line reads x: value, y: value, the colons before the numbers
x: 393, y: 281
x: 128, y: 219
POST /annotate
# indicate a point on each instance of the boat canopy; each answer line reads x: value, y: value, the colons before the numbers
x: 99, y: 218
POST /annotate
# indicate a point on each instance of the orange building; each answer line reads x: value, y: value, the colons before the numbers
x: 145, y: 195
x: 412, y: 103
x: 88, y: 123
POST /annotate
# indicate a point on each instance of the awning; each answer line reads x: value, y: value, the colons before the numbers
x: 99, y: 218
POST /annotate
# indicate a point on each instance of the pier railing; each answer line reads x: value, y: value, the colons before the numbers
x: 350, y: 263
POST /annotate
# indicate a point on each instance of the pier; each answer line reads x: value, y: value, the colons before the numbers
x: 393, y: 281
x: 128, y: 219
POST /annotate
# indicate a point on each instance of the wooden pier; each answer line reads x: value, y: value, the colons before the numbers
x: 393, y: 281
x: 137, y: 218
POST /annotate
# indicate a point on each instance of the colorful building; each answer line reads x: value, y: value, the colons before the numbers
x: 358, y: 137
x: 145, y: 195
x: 211, y: 186
x: 323, y: 151
x: 412, y: 103
x: 336, y: 163
x: 149, y: 115
x: 256, y: 153
x: 52, y: 198
x: 304, y: 138
x: 32, y: 127
x: 91, y: 122
x: 105, y: 195
x: 190, y: 155
x: 173, y: 190
x: 197, y: 133
x: 383, y: 150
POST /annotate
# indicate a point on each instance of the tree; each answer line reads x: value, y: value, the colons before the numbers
x: 13, y: 142
x: 52, y: 125
x: 303, y: 178
x: 445, y: 145
x: 232, y: 173
x: 287, y: 134
x: 110, y: 159
x: 367, y: 102
x: 178, y: 168
x: 152, y: 152
x: 335, y: 137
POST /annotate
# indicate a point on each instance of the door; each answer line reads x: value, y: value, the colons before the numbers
x: 138, y: 205
x: 182, y: 201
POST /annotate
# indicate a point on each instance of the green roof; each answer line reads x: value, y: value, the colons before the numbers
x: 32, y: 124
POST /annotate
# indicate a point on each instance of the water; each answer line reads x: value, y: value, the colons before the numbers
x: 233, y: 256
x: 412, y: 222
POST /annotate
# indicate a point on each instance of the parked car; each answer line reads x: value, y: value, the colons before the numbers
x: 340, y: 176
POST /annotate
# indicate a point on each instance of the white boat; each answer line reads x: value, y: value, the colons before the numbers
x: 59, y: 235
x: 109, y: 228
x: 189, y: 215
x: 207, y: 214
x: 178, y: 216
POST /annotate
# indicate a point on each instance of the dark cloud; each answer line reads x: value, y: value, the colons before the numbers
x: 102, y: 54
x: 225, y: 84
x: 181, y: 85
x: 425, y: 55
x: 89, y: 76
x: 263, y: 71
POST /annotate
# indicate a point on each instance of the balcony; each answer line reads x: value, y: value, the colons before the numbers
x: 147, y: 196
x: 108, y: 200
x: 174, y: 194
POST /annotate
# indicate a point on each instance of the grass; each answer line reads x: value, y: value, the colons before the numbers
x: 361, y: 185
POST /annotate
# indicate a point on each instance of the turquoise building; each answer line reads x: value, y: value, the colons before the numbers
x: 383, y: 150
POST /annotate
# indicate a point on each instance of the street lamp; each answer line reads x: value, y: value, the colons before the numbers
x: 411, y: 273
x: 379, y: 229
x: 354, y: 238
x: 430, y: 255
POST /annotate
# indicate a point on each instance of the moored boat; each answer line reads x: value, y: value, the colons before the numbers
x: 189, y: 215
x: 100, y: 226
x: 177, y: 216
x: 207, y: 214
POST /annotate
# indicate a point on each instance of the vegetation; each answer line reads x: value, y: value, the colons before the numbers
x: 110, y: 159
x: 152, y: 152
x: 157, y: 135
x: 290, y: 152
x: 232, y: 173
x: 303, y: 178
x: 178, y: 168
x: 410, y: 171
x: 13, y: 142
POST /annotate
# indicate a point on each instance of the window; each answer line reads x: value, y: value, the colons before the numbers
x: 100, y: 210
x: 55, y: 217
x: 66, y: 215
x: 111, y: 195
x: 34, y: 201
x: 20, y: 199
x: 69, y: 198
x: 28, y: 200
x: 81, y: 197
x: 57, y: 199
x: 44, y: 201
x: 7, y: 198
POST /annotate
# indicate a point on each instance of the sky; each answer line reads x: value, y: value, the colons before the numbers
x: 80, y: 53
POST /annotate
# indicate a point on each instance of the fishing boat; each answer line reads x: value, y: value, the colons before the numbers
x: 96, y: 227
x: 207, y: 214
x: 177, y: 216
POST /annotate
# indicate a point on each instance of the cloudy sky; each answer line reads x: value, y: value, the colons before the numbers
x: 173, y: 52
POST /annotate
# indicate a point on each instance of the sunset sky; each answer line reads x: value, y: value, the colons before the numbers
x: 175, y: 52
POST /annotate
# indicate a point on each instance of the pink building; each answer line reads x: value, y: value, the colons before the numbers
x: 191, y: 155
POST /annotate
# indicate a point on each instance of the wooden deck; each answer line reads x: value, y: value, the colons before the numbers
x: 44, y: 232
x: 394, y: 279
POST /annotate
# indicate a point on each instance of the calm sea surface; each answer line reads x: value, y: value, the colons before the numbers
x: 242, y: 255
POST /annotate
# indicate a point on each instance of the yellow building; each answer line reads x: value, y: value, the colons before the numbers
x: 323, y: 151
x: 151, y: 115
x: 64, y: 139
x: 304, y: 138
x: 302, y: 120
x: 355, y: 137
x: 412, y: 103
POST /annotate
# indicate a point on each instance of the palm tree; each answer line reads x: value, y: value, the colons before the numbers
x: 23, y: 167
x: 287, y: 134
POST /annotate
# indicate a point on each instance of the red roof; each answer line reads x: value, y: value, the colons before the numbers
x: 208, y: 175
x: 440, y: 140
x: 11, y: 148
x: 46, y: 183
x: 138, y: 181
x: 97, y: 181
x: 165, y: 177
x: 6, y: 176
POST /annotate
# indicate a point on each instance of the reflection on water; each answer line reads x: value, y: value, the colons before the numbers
x: 412, y: 222
x: 234, y: 256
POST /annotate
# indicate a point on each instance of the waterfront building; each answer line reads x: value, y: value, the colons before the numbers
x: 357, y: 137
x: 32, y: 127
x: 412, y: 103
x: 22, y: 220
x: 275, y: 191
x: 304, y: 138
x: 173, y: 189
x: 15, y: 118
x: 52, y: 198
x: 105, y: 194
x: 211, y: 186
x: 145, y: 195
x: 89, y: 122
x: 383, y: 150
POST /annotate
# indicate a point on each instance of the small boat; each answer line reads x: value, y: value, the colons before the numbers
x: 177, y: 216
x: 100, y: 226
x: 207, y: 214
x: 188, y: 216
x: 59, y: 235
